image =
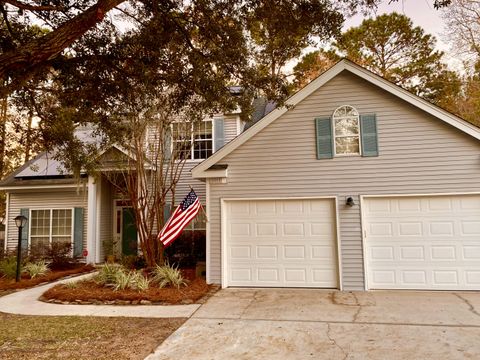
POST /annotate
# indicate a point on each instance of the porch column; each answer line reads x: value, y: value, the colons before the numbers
x: 92, y: 220
x: 99, y: 210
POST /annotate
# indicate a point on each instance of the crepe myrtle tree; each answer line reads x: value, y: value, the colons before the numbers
x: 156, y: 145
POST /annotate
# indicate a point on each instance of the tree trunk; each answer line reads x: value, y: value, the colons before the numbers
x: 3, y: 135
x: 28, y: 137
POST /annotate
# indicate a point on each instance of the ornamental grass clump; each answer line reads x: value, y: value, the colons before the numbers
x: 108, y: 274
x: 119, y: 278
x: 140, y: 282
x: 133, y: 280
x: 168, y: 275
x: 8, y: 267
x: 34, y: 269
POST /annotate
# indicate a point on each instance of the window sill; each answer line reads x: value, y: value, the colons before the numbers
x: 346, y: 155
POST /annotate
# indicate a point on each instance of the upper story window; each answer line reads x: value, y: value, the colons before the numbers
x: 346, y: 130
x: 193, y: 141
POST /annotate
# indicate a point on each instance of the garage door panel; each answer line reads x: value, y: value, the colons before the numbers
x: 436, y: 247
x: 286, y: 243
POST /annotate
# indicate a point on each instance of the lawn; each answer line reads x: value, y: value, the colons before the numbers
x: 75, y: 337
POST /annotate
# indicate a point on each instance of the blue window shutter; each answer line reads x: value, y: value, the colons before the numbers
x: 219, y: 136
x: 323, y: 128
x: 78, y: 232
x: 24, y: 236
x: 368, y: 129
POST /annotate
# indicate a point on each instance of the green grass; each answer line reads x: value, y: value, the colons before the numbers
x: 75, y: 337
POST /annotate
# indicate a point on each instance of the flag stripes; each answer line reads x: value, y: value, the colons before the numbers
x: 181, y: 217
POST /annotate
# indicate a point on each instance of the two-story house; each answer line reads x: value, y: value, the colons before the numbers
x: 358, y: 184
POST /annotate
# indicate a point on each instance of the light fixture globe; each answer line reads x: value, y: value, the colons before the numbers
x: 20, y: 221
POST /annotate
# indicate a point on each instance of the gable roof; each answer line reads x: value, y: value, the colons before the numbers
x: 342, y: 65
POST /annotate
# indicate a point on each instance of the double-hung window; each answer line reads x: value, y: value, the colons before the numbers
x: 49, y: 226
x: 193, y: 141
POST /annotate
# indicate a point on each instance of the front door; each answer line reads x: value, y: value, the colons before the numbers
x: 129, y: 232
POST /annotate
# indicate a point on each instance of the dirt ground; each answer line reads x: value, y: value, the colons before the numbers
x: 74, y: 337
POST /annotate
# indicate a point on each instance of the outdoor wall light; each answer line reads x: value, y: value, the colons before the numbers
x: 2, y: 219
x: 350, y: 201
x: 20, y: 222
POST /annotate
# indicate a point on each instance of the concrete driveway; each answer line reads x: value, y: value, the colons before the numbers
x: 321, y: 324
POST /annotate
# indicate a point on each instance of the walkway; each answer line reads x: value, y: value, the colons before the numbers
x: 25, y: 303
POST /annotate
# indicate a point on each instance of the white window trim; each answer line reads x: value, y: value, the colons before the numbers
x: 340, y: 136
x: 192, y: 140
x: 50, y: 226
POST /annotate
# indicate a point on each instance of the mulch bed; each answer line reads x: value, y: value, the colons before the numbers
x: 26, y: 282
x: 89, y: 292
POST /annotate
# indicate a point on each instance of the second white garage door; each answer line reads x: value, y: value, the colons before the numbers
x: 281, y: 243
x: 428, y: 242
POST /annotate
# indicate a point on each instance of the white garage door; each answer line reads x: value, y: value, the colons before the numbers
x: 423, y: 242
x: 281, y: 243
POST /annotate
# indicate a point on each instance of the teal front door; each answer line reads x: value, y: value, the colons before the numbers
x: 129, y: 232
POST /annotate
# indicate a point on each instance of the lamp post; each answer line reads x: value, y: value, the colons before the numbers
x: 20, y: 222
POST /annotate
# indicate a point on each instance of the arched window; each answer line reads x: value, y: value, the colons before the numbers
x: 346, y: 125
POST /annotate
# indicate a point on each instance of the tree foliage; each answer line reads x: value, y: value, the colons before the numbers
x: 390, y: 46
x: 313, y: 64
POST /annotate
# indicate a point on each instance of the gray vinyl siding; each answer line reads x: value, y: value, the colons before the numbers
x: 186, y: 180
x: 418, y: 154
x: 45, y: 199
x: 230, y: 127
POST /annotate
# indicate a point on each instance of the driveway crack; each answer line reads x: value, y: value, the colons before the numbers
x: 357, y: 303
x: 329, y: 329
x: 471, y: 308
x: 254, y: 298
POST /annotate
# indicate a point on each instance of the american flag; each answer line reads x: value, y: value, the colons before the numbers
x: 181, y: 217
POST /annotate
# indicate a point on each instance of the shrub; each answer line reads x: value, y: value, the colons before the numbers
x: 60, y: 256
x: 133, y: 262
x: 8, y: 267
x: 109, y: 246
x: 168, y: 275
x: 39, y: 268
x: 37, y: 252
